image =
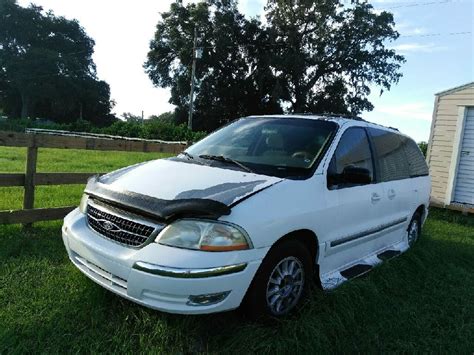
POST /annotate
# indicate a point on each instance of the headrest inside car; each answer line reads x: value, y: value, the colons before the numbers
x: 274, y: 141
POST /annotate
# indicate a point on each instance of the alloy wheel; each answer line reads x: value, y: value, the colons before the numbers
x: 285, y: 285
x: 413, y: 232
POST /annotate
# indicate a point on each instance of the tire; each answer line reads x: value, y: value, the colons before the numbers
x: 414, y: 229
x: 281, y: 281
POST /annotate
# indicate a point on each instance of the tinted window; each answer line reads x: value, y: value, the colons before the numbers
x: 391, y: 158
x: 353, y: 150
x: 416, y: 160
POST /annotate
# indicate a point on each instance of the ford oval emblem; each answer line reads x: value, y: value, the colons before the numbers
x: 108, y: 226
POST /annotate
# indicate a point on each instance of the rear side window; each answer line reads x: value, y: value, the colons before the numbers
x: 416, y: 161
x: 391, y: 157
x: 353, y: 150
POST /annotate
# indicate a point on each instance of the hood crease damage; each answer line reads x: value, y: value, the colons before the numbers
x: 167, y: 190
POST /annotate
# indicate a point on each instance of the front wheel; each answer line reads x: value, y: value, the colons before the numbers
x: 281, y: 281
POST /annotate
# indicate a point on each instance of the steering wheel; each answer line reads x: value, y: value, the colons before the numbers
x: 301, y: 155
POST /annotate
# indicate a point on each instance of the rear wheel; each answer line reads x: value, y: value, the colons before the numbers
x: 414, y: 229
x: 281, y: 281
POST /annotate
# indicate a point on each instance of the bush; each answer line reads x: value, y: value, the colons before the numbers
x: 125, y: 129
x: 19, y: 125
x: 423, y: 147
x: 157, y: 128
x: 154, y: 128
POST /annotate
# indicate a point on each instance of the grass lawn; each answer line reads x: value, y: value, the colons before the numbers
x: 422, y: 301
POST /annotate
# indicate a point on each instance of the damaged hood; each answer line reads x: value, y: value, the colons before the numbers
x: 174, y: 180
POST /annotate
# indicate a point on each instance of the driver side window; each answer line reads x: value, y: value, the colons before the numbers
x: 352, y: 156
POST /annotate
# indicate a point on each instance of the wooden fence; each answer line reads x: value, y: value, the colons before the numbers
x: 35, y: 139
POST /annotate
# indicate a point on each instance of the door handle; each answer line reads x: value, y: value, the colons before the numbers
x: 375, y: 197
x: 391, y: 194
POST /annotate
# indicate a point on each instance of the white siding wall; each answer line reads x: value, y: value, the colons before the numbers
x: 442, y: 139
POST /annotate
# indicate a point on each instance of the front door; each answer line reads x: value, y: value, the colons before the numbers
x: 353, y: 210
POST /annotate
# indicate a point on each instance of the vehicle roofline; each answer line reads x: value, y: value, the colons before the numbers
x: 340, y: 119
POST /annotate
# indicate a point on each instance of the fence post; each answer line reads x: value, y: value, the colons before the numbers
x: 29, y: 196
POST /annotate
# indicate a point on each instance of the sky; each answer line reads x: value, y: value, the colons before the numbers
x: 438, y: 56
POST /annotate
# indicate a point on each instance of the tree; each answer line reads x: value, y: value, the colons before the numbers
x: 167, y: 117
x: 233, y: 75
x: 46, y: 66
x: 131, y: 118
x: 327, y: 55
x: 423, y: 147
x: 310, y: 56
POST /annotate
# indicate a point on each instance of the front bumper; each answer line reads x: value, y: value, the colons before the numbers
x: 158, y: 276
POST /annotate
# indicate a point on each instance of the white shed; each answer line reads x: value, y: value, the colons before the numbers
x: 450, y: 153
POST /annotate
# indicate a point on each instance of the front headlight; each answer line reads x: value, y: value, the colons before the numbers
x: 204, y: 235
x: 83, y: 204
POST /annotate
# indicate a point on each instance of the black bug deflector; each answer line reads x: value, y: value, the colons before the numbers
x: 154, y: 207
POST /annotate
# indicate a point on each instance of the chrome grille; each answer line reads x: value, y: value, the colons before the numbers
x: 117, y: 228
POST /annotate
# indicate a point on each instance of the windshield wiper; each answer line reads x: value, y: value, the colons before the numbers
x: 224, y: 159
x: 191, y: 158
x: 187, y: 155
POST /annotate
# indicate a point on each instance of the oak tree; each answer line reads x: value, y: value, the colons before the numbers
x: 46, y: 67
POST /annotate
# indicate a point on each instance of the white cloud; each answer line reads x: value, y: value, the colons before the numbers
x: 414, y: 31
x: 412, y: 118
x: 407, y: 48
x: 407, y: 29
x: 413, y: 110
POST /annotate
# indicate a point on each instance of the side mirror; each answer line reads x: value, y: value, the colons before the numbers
x: 356, y: 175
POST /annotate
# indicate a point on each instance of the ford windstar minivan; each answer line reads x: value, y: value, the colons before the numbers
x: 252, y: 214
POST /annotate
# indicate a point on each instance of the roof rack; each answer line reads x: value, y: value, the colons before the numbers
x: 338, y: 115
x: 347, y: 116
x: 332, y: 115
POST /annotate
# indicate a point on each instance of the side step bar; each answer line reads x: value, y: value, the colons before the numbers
x: 360, y: 269
x: 356, y: 270
x: 388, y: 254
x: 333, y: 279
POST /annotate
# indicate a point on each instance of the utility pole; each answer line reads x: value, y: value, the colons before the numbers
x: 193, y: 73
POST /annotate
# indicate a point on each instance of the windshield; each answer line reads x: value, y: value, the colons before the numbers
x: 272, y: 146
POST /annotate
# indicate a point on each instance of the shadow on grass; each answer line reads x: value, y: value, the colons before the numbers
x: 449, y: 216
x: 421, y: 300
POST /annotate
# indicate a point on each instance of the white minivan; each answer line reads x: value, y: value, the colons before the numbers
x: 252, y: 214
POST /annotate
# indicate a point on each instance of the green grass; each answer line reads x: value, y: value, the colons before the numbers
x: 422, y: 301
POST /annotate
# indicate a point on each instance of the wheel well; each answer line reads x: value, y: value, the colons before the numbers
x: 421, y: 210
x: 306, y: 237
